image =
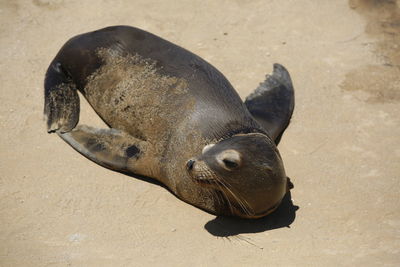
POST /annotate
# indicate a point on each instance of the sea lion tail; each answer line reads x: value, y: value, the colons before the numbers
x: 272, y: 103
x: 61, y: 100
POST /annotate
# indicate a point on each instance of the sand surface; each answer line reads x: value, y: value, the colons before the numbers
x: 341, y: 151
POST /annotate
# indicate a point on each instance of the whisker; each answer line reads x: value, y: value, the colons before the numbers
x: 224, y: 187
x: 214, y: 194
x: 230, y: 206
x: 239, y: 202
x: 223, y: 196
x: 242, y: 202
x: 245, y: 203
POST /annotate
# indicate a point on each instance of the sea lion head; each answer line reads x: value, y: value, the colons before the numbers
x: 245, y: 174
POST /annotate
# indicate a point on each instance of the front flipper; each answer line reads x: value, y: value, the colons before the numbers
x: 272, y: 103
x: 61, y: 100
x: 110, y: 148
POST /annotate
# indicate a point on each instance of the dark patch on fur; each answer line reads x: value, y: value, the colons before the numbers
x: 95, y: 146
x: 132, y: 152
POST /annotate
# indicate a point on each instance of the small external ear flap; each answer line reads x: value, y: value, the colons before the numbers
x: 206, y: 148
x: 229, y: 159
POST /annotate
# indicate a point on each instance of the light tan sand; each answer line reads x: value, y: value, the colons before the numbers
x: 342, y: 149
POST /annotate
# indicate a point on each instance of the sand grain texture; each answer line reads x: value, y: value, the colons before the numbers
x: 341, y: 150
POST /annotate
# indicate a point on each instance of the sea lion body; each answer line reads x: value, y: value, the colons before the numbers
x: 163, y: 105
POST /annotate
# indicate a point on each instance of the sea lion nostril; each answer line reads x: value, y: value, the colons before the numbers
x: 189, y: 164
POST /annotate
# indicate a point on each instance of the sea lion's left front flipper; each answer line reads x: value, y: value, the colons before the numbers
x: 272, y: 103
x: 110, y: 148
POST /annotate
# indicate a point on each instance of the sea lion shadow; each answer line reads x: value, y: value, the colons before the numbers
x: 283, y: 216
x: 224, y: 226
x: 144, y: 179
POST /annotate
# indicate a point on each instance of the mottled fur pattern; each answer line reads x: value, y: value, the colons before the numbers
x: 163, y: 105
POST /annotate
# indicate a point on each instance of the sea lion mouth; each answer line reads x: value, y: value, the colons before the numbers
x: 207, y: 182
x: 234, y: 204
x: 267, y: 212
x: 242, y: 212
x: 231, y: 203
x: 227, y: 201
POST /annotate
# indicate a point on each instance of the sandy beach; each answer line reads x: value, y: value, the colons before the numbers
x: 341, y: 150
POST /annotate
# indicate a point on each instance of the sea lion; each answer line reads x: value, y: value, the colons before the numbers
x: 172, y: 117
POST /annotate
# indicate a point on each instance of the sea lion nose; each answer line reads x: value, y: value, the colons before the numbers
x: 190, y: 164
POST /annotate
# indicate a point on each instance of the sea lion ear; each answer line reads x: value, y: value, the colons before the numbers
x: 206, y: 148
x: 229, y: 159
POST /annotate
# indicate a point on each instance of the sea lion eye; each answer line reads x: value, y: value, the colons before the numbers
x: 229, y: 159
x: 230, y: 164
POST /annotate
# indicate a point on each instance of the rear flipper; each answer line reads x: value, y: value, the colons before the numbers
x: 110, y: 148
x: 61, y: 103
x: 272, y: 103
